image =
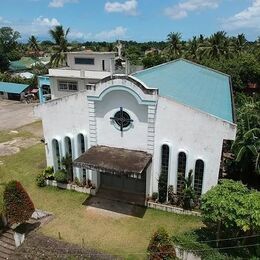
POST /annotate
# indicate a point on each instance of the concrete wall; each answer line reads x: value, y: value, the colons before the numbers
x: 97, y: 61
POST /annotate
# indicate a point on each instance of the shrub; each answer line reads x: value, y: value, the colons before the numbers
x: 161, y: 246
x: 77, y: 181
x: 18, y: 206
x: 48, y: 173
x: 162, y: 187
x: 231, y: 208
x: 40, y: 180
x: 155, y: 196
x: 61, y: 176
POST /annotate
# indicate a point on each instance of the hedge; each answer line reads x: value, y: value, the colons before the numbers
x: 18, y: 206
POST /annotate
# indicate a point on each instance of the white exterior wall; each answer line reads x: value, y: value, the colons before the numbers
x: 108, y: 131
x: 157, y: 121
x: 56, y: 93
x: 197, y: 134
x: 97, y: 61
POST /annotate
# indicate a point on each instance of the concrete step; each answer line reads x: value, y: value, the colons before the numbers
x: 7, y: 244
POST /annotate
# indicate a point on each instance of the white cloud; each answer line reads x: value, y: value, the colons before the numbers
x: 60, y: 3
x: 46, y: 22
x: 115, y: 33
x: 39, y: 26
x: 3, y: 21
x: 248, y: 18
x: 182, y: 9
x: 128, y: 7
x: 76, y: 35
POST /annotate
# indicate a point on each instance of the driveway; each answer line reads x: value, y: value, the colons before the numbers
x: 14, y: 114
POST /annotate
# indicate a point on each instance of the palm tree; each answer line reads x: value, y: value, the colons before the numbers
x: 248, y: 150
x: 59, y: 37
x: 175, y: 44
x: 218, y: 45
x: 240, y: 43
x: 34, y: 45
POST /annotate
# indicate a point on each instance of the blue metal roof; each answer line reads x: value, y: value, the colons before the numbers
x: 193, y: 85
x: 12, y: 87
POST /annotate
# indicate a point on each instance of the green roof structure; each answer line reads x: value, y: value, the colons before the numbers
x: 192, y: 84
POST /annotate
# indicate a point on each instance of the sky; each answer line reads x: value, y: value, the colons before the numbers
x: 139, y: 20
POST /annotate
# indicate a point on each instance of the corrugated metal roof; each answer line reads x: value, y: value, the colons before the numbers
x: 12, y: 87
x: 193, y: 85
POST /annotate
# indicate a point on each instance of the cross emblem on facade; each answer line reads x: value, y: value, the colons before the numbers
x: 122, y: 119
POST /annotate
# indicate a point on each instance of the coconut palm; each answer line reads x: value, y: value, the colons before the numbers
x: 59, y: 36
x: 218, y: 45
x: 34, y: 45
x: 175, y: 45
x: 248, y: 150
x: 240, y: 43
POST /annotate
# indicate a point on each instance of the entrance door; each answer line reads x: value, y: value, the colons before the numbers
x: 124, y: 183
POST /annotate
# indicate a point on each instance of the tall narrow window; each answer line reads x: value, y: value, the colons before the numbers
x: 81, y: 143
x: 163, y: 179
x: 68, y: 146
x: 198, y: 177
x: 56, y: 154
x: 181, y: 172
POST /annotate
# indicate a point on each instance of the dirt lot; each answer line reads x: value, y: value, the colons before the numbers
x: 14, y: 114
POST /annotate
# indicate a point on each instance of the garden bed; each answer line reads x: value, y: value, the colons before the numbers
x: 170, y: 208
x: 68, y: 186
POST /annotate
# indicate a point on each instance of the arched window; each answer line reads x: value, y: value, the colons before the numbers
x: 56, y: 154
x: 163, y: 179
x: 181, y: 172
x: 198, y: 177
x: 81, y: 144
x: 68, y: 146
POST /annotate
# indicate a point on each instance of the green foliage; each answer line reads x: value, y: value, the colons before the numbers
x: 162, y: 186
x: 48, y: 173
x: 190, y: 242
x: 61, y: 176
x: 8, y: 39
x: 152, y: 60
x: 40, y: 180
x: 18, y: 206
x: 231, y: 208
x: 155, y: 196
x: 161, y: 246
x: 188, y: 192
x: 67, y: 163
x: 60, y: 48
x: 4, y: 62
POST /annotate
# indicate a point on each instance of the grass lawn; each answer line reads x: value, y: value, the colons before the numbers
x: 126, y: 236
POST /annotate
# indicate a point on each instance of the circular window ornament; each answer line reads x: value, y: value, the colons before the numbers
x: 122, y: 119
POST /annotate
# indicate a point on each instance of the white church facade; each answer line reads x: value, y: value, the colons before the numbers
x: 122, y: 131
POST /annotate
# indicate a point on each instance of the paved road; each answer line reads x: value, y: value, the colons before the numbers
x: 14, y: 114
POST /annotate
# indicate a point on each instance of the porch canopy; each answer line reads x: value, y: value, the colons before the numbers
x: 114, y: 160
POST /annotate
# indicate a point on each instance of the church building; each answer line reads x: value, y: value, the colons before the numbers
x: 123, y: 130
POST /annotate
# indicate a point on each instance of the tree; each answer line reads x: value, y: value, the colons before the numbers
x: 4, y: 62
x: 174, y: 44
x: 240, y: 43
x: 231, y: 208
x: 217, y: 45
x: 8, y: 39
x: 161, y: 246
x: 152, y: 60
x: 18, y: 206
x: 34, y: 45
x: 59, y: 37
x: 67, y: 163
